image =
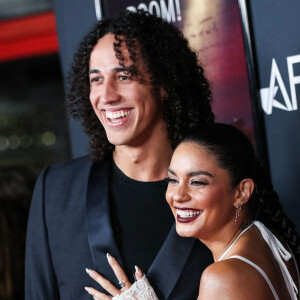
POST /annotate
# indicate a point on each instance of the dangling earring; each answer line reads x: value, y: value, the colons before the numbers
x: 237, y: 211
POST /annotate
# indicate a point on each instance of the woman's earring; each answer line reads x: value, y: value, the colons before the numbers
x: 238, y: 208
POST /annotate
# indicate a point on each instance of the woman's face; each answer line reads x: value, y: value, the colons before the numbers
x: 199, y: 193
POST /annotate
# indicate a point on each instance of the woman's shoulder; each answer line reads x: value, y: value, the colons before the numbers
x: 228, y: 271
x: 232, y: 279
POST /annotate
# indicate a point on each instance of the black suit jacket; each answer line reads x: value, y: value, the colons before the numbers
x: 69, y: 229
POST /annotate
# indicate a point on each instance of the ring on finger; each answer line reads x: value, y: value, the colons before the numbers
x: 122, y: 283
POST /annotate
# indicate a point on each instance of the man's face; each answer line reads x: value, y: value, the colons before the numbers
x: 126, y: 108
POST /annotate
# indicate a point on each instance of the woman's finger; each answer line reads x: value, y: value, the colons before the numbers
x: 97, y: 295
x: 106, y: 284
x: 120, y: 274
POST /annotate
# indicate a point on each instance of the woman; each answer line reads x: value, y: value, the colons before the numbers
x: 216, y: 190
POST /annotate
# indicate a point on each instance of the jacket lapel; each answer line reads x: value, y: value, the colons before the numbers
x: 169, y: 263
x: 99, y: 228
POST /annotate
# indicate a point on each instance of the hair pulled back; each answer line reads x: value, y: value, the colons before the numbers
x: 172, y: 64
x: 234, y: 153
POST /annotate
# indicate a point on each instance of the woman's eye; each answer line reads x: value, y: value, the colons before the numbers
x: 171, y: 180
x: 198, y: 182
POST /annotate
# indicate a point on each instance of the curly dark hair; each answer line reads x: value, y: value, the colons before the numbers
x: 234, y: 153
x: 171, y: 63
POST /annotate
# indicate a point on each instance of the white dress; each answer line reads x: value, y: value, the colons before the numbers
x: 280, y: 254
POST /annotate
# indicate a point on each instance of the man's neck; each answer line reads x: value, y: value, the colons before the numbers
x: 145, y: 163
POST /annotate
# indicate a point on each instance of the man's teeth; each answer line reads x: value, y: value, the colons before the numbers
x: 187, y: 213
x: 117, y: 114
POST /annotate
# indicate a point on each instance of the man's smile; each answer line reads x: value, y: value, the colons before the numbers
x: 117, y: 114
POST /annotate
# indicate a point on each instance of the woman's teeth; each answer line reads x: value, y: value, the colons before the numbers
x: 117, y: 114
x: 187, y: 213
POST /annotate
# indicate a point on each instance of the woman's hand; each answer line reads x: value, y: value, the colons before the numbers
x: 107, y: 285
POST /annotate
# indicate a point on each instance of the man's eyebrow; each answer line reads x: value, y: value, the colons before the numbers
x: 129, y: 69
x: 93, y: 71
x: 115, y: 70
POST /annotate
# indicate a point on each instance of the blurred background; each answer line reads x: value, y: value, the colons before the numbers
x: 33, y: 124
x: 33, y: 121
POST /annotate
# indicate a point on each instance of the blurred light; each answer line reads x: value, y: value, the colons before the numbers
x: 4, y: 143
x: 48, y: 138
x: 3, y: 122
x: 14, y: 142
x: 37, y: 140
x: 26, y: 141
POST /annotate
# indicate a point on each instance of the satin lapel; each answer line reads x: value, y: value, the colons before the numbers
x: 99, y: 228
x: 169, y: 263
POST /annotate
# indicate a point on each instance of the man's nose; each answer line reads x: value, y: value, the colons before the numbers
x: 109, y: 93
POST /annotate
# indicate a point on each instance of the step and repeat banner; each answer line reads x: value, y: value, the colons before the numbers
x: 276, y: 31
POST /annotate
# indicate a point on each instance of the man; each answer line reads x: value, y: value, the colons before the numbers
x: 137, y: 88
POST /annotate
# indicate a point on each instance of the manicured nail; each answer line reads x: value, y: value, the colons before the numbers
x: 138, y: 271
x: 88, y: 270
x: 109, y: 257
x: 88, y: 289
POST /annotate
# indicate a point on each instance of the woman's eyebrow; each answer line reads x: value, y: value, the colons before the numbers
x: 171, y: 171
x: 195, y: 173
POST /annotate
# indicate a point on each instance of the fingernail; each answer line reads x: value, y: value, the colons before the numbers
x: 88, y: 289
x: 87, y: 270
x: 138, y: 271
x: 109, y: 257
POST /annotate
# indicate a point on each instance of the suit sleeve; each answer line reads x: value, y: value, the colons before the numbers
x: 40, y: 279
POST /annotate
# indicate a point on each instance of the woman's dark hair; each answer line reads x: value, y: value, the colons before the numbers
x: 171, y: 64
x: 234, y: 153
x: 16, y: 187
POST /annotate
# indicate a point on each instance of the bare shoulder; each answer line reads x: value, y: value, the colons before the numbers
x: 232, y: 279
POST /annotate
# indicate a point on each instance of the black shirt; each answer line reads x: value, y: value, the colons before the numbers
x: 141, y: 219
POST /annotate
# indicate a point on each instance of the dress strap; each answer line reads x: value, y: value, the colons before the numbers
x: 260, y: 270
x: 279, y: 253
x: 232, y: 244
x: 296, y: 265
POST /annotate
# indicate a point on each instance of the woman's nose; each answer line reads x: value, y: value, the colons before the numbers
x: 181, y: 194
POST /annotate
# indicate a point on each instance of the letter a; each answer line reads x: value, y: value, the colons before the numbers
x: 275, y: 75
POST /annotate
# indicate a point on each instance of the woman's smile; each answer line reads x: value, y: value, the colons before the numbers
x: 199, y: 192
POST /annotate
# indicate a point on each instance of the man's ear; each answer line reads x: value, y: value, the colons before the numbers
x: 244, y: 191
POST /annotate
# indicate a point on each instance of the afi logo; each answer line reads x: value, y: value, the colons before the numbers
x: 268, y: 95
